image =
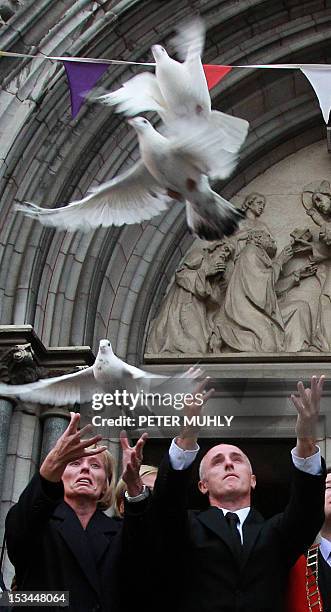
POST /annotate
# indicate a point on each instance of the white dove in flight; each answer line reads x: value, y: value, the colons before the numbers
x: 108, y: 372
x: 179, y: 90
x: 170, y: 167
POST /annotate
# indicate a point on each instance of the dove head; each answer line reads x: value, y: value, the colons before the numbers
x: 140, y: 124
x: 105, y: 346
x: 159, y: 53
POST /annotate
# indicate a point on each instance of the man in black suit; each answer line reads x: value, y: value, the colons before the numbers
x: 58, y: 538
x: 228, y: 558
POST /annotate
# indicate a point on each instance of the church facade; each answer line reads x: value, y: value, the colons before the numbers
x: 254, y: 310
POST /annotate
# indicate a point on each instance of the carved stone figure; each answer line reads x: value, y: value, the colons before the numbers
x: 183, y: 324
x: 251, y: 318
x: 293, y: 271
x: 253, y: 207
x: 301, y: 240
x: 316, y: 199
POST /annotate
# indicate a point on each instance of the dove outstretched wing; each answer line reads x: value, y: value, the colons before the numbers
x: 190, y: 39
x: 198, y: 141
x: 174, y: 382
x: 131, y: 197
x: 77, y: 387
x: 232, y: 130
x: 139, y: 94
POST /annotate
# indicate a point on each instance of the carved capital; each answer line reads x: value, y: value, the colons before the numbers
x: 62, y: 412
x: 18, y: 365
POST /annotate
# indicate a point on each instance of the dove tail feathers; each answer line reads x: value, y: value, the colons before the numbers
x: 213, y: 223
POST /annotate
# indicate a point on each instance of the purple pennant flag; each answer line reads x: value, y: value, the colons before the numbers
x: 82, y: 76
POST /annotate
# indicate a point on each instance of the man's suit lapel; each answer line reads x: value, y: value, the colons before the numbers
x: 67, y: 524
x: 251, y: 530
x: 213, y: 518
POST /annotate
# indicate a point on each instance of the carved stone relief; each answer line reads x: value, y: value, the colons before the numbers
x: 185, y: 321
x: 316, y: 199
x: 239, y: 295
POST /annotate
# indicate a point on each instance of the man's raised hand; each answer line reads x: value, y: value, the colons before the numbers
x: 187, y: 439
x: 307, y: 403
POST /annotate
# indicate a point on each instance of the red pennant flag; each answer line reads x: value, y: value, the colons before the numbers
x: 82, y: 76
x: 214, y: 74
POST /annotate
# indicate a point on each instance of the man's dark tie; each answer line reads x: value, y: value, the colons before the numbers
x: 232, y: 520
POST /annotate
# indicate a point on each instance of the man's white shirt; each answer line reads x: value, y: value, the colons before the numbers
x: 325, y: 548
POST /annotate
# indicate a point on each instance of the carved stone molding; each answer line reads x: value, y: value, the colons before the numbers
x: 24, y: 359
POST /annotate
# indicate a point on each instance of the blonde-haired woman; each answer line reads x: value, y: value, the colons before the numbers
x: 59, y: 539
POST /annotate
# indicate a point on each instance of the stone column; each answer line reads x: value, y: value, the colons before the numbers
x: 6, y: 410
x: 55, y: 421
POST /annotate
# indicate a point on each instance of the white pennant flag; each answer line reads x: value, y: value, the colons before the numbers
x: 320, y: 80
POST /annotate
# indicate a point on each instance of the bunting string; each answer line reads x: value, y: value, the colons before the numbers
x: 82, y: 60
x: 83, y: 73
x: 93, y: 60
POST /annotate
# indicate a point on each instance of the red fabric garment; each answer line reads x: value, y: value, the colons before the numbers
x: 296, y: 598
